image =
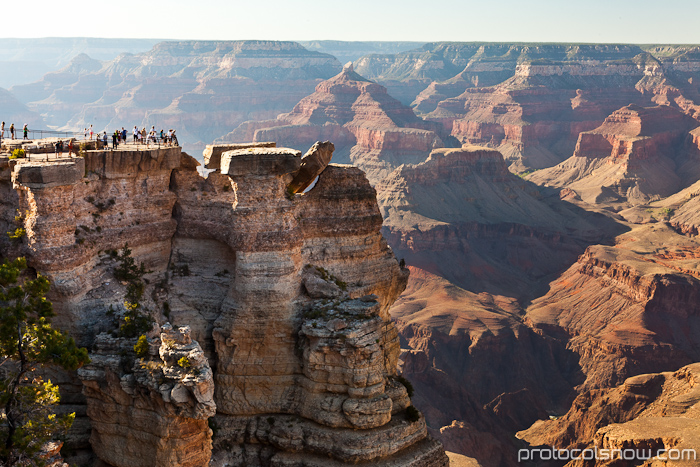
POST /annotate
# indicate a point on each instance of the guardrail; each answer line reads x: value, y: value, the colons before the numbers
x: 33, y: 134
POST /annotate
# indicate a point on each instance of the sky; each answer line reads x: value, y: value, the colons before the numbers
x: 617, y: 21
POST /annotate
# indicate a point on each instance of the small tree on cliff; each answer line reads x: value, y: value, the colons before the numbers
x: 27, y: 341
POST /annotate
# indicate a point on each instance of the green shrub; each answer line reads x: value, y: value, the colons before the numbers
x: 184, y: 362
x: 141, y: 347
x: 407, y: 384
x: 412, y: 414
x: 18, y: 234
x: 135, y: 322
x: 18, y: 153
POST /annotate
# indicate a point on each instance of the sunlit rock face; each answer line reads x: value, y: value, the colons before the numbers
x: 276, y: 344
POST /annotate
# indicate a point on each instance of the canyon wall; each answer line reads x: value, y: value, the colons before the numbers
x: 271, y: 341
x: 369, y: 128
x: 202, y: 89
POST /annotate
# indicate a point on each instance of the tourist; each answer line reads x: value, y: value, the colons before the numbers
x: 104, y: 140
x: 162, y: 135
x: 91, y: 133
x: 25, y: 131
x: 115, y: 136
x: 3, y: 130
x: 12, y: 130
x: 70, y: 147
x: 136, y: 134
x: 175, y: 139
x: 170, y: 136
x: 124, y: 135
x: 85, y: 133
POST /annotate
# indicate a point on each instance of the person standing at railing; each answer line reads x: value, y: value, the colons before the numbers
x: 124, y: 135
x: 70, y: 147
x: 3, y: 130
x: 26, y: 132
x: 136, y: 134
x: 12, y: 130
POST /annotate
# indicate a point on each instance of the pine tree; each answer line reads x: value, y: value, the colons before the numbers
x: 27, y: 342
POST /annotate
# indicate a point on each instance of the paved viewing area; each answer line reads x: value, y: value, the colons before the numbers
x: 45, y: 149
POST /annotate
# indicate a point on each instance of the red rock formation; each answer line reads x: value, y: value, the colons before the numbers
x: 646, y: 414
x: 631, y: 157
x: 626, y: 309
x: 369, y: 128
x: 462, y: 215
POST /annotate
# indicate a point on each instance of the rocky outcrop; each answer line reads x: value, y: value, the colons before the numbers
x: 313, y: 163
x: 278, y: 304
x: 635, y: 156
x: 212, y: 153
x: 652, y: 416
x: 158, y: 408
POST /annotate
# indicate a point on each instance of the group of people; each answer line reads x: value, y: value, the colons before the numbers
x: 140, y: 136
x: 25, y: 131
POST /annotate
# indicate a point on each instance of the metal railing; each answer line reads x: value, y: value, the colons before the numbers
x: 34, y: 134
x: 38, y: 134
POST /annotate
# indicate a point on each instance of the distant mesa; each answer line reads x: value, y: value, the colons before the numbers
x: 368, y: 127
x: 636, y: 156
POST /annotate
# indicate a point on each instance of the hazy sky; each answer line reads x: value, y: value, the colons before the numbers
x: 635, y: 21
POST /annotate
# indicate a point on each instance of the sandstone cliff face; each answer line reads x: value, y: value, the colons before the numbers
x: 369, y: 128
x: 627, y: 309
x: 155, y: 414
x: 284, y: 297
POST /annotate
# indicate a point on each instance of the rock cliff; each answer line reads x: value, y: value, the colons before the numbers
x: 531, y: 101
x: 369, y: 128
x: 275, y: 344
x: 636, y: 156
x: 655, y: 416
x: 201, y: 88
x: 626, y: 309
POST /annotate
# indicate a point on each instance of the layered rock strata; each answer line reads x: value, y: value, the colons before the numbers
x: 369, y: 128
x: 653, y: 416
x: 285, y: 297
x: 636, y: 156
x: 155, y: 413
x: 201, y: 88
x: 626, y: 309
x: 461, y: 214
